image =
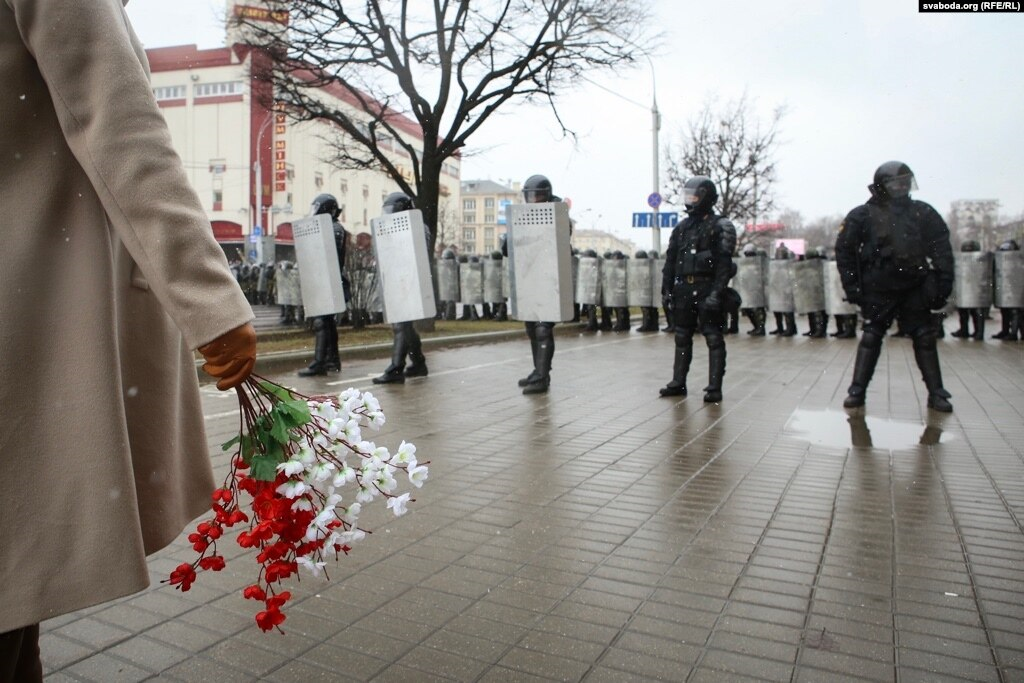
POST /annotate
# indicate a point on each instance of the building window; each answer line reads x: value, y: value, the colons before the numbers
x: 488, y: 245
x: 318, y: 180
x: 489, y: 234
x: 169, y: 92
x: 469, y: 217
x: 343, y: 188
x: 469, y: 234
x: 468, y: 248
x: 218, y: 199
x: 469, y: 204
x: 489, y: 203
x: 219, y: 89
x: 366, y: 192
x: 488, y: 217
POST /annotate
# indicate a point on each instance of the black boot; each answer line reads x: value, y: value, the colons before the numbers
x: 680, y: 365
x: 654, y: 319
x: 779, y: 322
x: 333, y: 356
x: 978, y: 316
x: 502, y: 314
x: 417, y: 366
x: 606, y: 319
x: 320, y: 353
x: 927, y: 357
x: 1016, y: 325
x: 847, y: 327
x: 820, y: 330
x: 669, y: 325
x: 534, y: 348
x: 938, y: 326
x: 1004, y: 324
x: 395, y: 372
x: 591, y: 325
x: 965, y: 317
x: 716, y: 371
x: 758, y: 320
x: 790, y: 330
x: 545, y: 353
x: 868, y: 351
x: 621, y: 320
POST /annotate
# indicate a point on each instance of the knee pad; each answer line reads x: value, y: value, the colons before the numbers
x: 543, y: 332
x: 871, y: 339
x: 318, y: 324
x: 714, y: 340
x: 684, y: 336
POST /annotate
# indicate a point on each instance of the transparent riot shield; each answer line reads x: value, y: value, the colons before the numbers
x: 400, y: 246
x: 835, y: 295
x: 471, y: 283
x: 319, y: 272
x: 1009, y: 279
x: 780, y: 286
x: 588, y: 283
x: 749, y: 280
x: 492, y: 281
x: 808, y: 286
x: 972, y: 283
x: 613, y: 283
x: 639, y: 282
x: 540, y: 262
x: 448, y: 279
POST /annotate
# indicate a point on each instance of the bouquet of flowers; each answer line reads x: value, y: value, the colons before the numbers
x: 293, y: 458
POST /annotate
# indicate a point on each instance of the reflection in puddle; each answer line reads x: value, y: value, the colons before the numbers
x: 840, y: 429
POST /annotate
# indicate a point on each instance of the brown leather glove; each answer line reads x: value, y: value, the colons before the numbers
x: 231, y: 356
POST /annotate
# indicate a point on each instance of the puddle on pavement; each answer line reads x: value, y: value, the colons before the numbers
x: 839, y: 429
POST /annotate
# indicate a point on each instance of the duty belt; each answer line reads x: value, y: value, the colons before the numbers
x: 691, y: 279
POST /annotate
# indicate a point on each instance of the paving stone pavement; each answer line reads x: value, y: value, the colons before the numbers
x: 600, y: 533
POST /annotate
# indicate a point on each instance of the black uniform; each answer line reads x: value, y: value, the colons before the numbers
x: 698, y: 265
x: 895, y: 261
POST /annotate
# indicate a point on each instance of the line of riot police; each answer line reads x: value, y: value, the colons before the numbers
x: 983, y: 279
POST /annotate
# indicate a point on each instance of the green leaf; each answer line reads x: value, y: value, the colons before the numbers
x: 297, y: 411
x: 280, y: 431
x: 228, y: 444
x: 280, y: 392
x: 263, y: 468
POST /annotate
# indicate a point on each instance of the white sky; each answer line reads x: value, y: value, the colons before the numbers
x: 862, y: 81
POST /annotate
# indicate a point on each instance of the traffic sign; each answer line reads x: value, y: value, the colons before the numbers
x: 257, y: 230
x: 654, y: 200
x: 646, y: 220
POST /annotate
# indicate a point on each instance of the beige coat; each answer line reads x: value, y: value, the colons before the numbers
x: 105, y: 254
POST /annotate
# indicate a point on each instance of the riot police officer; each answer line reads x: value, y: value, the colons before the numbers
x: 972, y: 289
x: 698, y: 265
x: 1009, y: 290
x: 448, y: 284
x: 537, y: 190
x: 325, y: 327
x: 407, y: 341
x: 750, y: 280
x: 895, y: 261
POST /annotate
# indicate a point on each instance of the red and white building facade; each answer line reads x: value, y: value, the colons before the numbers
x: 238, y: 152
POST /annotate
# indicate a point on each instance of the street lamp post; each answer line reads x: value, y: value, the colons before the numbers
x: 655, y: 127
x: 258, y: 170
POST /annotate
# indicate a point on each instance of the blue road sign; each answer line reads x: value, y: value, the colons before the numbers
x: 257, y: 230
x: 646, y: 220
x: 654, y: 200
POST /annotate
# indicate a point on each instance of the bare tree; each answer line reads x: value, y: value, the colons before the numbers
x: 975, y: 219
x: 448, y: 65
x: 731, y: 146
x: 447, y: 227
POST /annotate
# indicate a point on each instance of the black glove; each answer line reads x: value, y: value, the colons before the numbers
x: 713, y: 302
x: 666, y: 302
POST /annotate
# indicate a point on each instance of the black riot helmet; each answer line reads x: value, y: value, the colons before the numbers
x: 448, y: 255
x: 397, y: 202
x: 1009, y: 245
x: 699, y: 195
x: 537, y: 189
x: 325, y: 203
x: 749, y: 249
x: 463, y: 258
x: 496, y: 255
x: 970, y: 245
x: 641, y: 254
x: 893, y: 180
x: 589, y: 253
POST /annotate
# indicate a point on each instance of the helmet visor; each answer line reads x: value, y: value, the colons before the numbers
x: 536, y: 196
x: 900, y: 186
x: 692, y: 196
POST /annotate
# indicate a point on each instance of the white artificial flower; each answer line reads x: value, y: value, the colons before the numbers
x: 371, y: 404
x: 292, y: 489
x: 291, y: 467
x: 376, y: 419
x: 398, y: 503
x: 302, y: 504
x: 332, y: 500
x: 345, y: 475
x: 417, y: 475
x: 351, y: 513
x: 366, y: 494
x: 406, y: 455
x: 306, y: 456
x: 309, y: 564
x: 322, y: 471
x: 385, y: 480
x: 351, y: 392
